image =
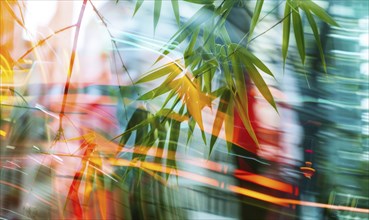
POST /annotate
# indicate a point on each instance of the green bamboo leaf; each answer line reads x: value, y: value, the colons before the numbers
x: 138, y: 6
x: 162, y: 89
x: 238, y: 74
x: 255, y: 60
x: 229, y: 124
x: 157, y: 9
x: 175, y: 129
x: 169, y: 113
x: 189, y: 53
x: 320, y: 12
x: 299, y: 34
x: 314, y: 28
x: 200, y: 17
x: 202, y: 2
x: 191, y: 128
x: 207, y: 66
x: 286, y: 32
x: 161, y: 71
x: 219, y: 118
x: 259, y: 82
x: 136, y: 121
x: 255, y: 17
x: 176, y: 101
x: 162, y: 136
x: 226, y: 70
x: 176, y: 10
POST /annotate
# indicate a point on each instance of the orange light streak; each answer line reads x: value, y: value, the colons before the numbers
x: 264, y: 181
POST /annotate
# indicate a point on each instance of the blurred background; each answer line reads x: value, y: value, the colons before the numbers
x: 313, y: 158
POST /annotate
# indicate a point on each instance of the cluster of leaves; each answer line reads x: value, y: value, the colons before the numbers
x: 211, y: 55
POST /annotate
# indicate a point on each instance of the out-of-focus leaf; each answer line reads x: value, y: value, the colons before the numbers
x: 255, y: 17
x: 138, y: 119
x: 299, y: 34
x: 314, y: 28
x: 258, y: 63
x: 157, y: 9
x: 286, y: 32
x: 259, y: 83
x: 219, y: 118
x: 189, y: 53
x: 318, y: 11
x: 162, y: 135
x: 161, y: 71
x: 229, y: 124
x: 176, y: 10
x: 191, y: 128
x: 138, y: 5
x: 200, y: 17
x: 202, y: 2
x: 173, y: 142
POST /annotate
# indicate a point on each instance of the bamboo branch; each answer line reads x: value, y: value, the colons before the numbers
x: 42, y: 41
x: 71, y: 63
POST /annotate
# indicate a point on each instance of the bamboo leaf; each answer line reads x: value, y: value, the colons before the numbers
x: 202, y: 2
x: 229, y: 124
x: 157, y: 9
x: 225, y: 66
x: 201, y: 16
x: 191, y: 128
x: 162, y: 89
x: 255, y: 60
x: 314, y: 28
x: 286, y: 32
x: 176, y: 10
x: 189, y: 53
x: 169, y: 113
x: 299, y: 34
x: 219, y: 118
x: 320, y: 12
x: 238, y: 75
x: 161, y: 71
x: 138, y: 5
x: 255, y: 17
x: 259, y: 83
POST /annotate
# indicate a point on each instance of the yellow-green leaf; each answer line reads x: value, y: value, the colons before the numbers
x: 320, y: 12
x: 161, y: 71
x: 286, y: 32
x: 299, y: 34
x: 157, y: 9
x: 229, y: 124
x: 138, y: 5
x: 219, y: 117
x: 176, y: 10
x: 255, y: 17
x: 314, y: 28
x: 259, y: 83
x: 255, y: 60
